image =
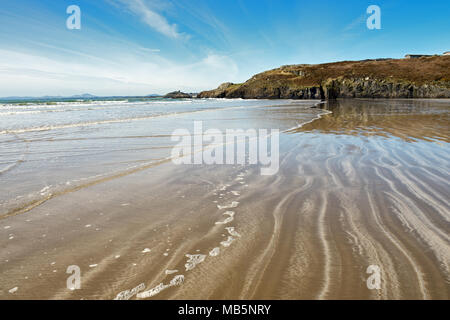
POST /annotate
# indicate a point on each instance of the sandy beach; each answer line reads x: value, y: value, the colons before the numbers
x: 360, y: 183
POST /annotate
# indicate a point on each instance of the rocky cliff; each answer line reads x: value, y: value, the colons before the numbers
x: 427, y: 77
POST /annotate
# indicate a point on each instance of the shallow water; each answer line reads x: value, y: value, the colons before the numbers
x: 367, y: 184
x: 47, y: 149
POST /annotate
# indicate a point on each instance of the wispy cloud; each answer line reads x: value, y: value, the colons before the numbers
x: 204, y: 22
x: 153, y: 19
x: 358, y: 22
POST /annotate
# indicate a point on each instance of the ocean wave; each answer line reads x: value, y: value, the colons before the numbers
x: 111, y: 121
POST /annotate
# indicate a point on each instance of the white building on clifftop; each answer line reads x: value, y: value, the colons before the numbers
x: 415, y: 56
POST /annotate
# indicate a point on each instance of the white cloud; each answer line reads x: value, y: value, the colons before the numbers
x: 153, y: 19
x: 33, y: 74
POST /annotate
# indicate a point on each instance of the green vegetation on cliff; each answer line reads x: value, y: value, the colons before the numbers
x: 427, y: 77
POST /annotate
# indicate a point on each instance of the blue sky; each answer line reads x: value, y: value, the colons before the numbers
x: 138, y: 47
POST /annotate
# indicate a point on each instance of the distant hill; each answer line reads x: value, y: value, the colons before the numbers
x: 83, y: 96
x: 426, y: 77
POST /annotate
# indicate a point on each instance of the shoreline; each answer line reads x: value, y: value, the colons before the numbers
x: 356, y: 187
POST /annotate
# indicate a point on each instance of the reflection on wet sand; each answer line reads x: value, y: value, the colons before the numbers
x: 406, y: 119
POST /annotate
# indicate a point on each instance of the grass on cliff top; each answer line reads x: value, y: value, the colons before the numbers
x: 419, y: 71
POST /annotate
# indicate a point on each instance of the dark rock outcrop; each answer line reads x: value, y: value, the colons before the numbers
x: 178, y: 95
x: 427, y: 77
x: 364, y: 88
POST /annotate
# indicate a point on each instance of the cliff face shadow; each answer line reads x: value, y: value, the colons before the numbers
x: 410, y: 120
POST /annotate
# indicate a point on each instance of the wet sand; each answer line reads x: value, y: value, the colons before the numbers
x: 367, y: 184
